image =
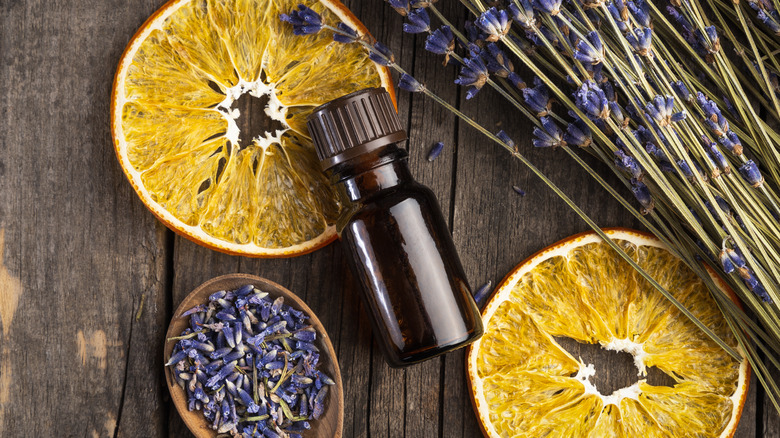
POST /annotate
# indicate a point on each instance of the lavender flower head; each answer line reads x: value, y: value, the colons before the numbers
x: 642, y: 194
x: 504, y: 137
x: 523, y: 13
x: 304, y: 21
x: 441, y: 42
x: 550, y: 136
x: 578, y: 134
x: 628, y: 164
x: 640, y: 9
x: 641, y: 40
x: 381, y: 54
x: 709, y: 39
x: 591, y: 51
x: 400, y: 6
x: 552, y: 7
x: 591, y: 100
x: 419, y: 22
x: 538, y: 98
x: 752, y: 175
x: 346, y: 35
x: 496, y: 60
x: 495, y: 23
x: 731, y: 142
x: 473, y: 74
x: 410, y: 84
x: 661, y: 110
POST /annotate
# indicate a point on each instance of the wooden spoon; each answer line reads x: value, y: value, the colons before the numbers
x: 331, y: 422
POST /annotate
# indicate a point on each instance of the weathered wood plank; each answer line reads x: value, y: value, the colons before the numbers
x: 80, y: 251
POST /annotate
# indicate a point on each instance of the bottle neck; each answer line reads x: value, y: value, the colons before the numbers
x: 370, y: 173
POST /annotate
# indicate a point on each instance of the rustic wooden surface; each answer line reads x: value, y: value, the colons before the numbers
x: 88, y: 278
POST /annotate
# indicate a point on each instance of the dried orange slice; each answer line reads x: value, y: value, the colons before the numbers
x: 174, y: 121
x: 524, y: 384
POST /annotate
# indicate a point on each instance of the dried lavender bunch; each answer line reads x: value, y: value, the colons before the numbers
x: 250, y: 365
x: 642, y: 105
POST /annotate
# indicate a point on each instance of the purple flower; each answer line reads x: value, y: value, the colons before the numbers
x: 304, y: 21
x: 473, y: 74
x: 550, y: 136
x: 590, y: 99
x: 483, y: 290
x: 435, y: 151
x: 628, y: 164
x: 642, y: 194
x: 381, y: 54
x: 752, y: 175
x: 538, y: 98
x: 619, y: 15
x: 641, y: 11
x: 755, y: 286
x: 661, y: 110
x: 347, y: 34
x: 552, y: 7
x: 504, y: 137
x: 685, y: 169
x: 441, y: 41
x: 474, y: 34
x: 717, y: 156
x: 495, y: 23
x: 726, y: 263
x: 641, y: 40
x: 523, y: 13
x: 400, y: 6
x: 410, y: 84
x: 682, y: 91
x: 770, y: 20
x: 591, y: 51
x: 731, y: 142
x: 709, y: 39
x: 496, y: 60
x: 578, y: 134
x: 617, y: 114
x: 516, y: 80
x: 419, y: 22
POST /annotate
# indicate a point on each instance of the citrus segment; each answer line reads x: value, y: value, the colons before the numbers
x: 199, y: 42
x: 609, y: 424
x: 553, y: 295
x: 188, y: 128
x: 516, y: 335
x: 524, y: 384
x: 158, y: 75
x: 176, y: 128
x: 686, y: 410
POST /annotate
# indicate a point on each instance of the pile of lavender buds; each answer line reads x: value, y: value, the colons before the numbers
x: 250, y: 364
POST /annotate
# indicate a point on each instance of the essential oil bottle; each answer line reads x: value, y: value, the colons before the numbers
x: 393, y: 232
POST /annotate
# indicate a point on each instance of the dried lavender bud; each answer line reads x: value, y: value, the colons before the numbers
x: 304, y: 21
x: 435, y: 151
x: 262, y: 385
x: 410, y: 84
x: 482, y: 292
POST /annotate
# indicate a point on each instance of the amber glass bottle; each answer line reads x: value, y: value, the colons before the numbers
x: 393, y: 232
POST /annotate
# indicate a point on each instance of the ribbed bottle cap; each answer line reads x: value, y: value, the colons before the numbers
x: 353, y: 125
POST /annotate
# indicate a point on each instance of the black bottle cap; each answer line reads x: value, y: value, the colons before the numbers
x: 354, y: 124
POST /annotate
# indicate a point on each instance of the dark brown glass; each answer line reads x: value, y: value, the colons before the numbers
x: 402, y: 255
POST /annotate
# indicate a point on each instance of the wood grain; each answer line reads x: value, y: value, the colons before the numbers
x: 79, y: 252
x: 75, y: 361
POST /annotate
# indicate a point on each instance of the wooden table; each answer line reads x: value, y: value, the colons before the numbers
x: 89, y: 278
